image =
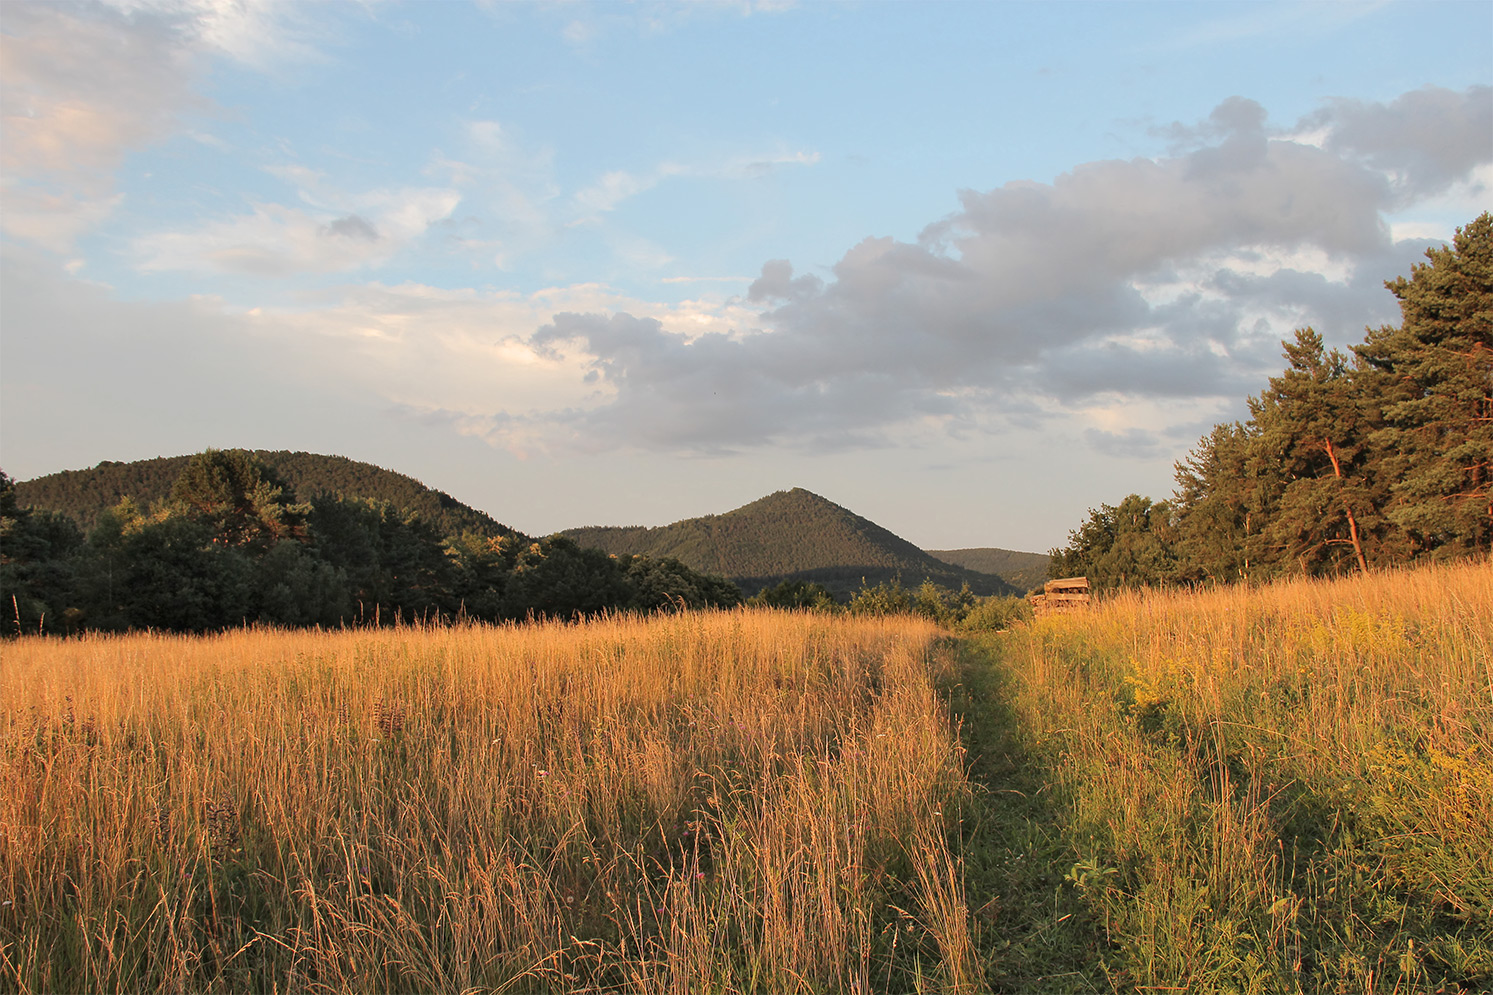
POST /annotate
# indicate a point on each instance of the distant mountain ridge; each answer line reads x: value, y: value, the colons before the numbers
x: 85, y: 494
x: 1025, y: 570
x: 790, y: 535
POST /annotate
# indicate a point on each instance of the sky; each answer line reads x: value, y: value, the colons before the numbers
x: 967, y: 269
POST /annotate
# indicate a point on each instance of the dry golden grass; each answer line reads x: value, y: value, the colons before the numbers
x: 707, y: 802
x: 1274, y: 789
x: 1283, y: 788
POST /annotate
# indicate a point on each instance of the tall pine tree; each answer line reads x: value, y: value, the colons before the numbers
x: 1315, y: 428
x: 1435, y: 380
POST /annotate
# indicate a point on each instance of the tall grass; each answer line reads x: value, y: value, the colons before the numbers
x: 1277, y: 789
x: 1255, y: 790
x: 711, y: 802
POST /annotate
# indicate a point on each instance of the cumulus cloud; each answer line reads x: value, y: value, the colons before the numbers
x: 1424, y: 141
x: 338, y: 360
x: 1166, y: 278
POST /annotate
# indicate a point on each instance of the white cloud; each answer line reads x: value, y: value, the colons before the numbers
x: 1164, y: 281
x: 52, y: 219
x: 257, y: 33
x: 85, y: 84
x: 463, y: 354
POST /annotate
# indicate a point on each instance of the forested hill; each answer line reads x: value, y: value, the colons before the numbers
x: 83, y: 495
x: 1025, y: 570
x: 790, y: 535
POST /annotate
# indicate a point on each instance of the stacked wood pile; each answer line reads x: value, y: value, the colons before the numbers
x: 1066, y: 595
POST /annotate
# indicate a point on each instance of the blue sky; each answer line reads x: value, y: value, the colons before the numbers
x: 967, y: 269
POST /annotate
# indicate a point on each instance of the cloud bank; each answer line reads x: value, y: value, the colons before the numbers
x: 1122, y: 282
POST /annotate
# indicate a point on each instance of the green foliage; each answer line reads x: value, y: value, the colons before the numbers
x: 666, y: 583
x: 396, y: 564
x: 1434, y: 378
x: 1346, y: 463
x: 556, y: 578
x: 959, y: 609
x: 795, y: 594
x: 482, y: 564
x: 294, y: 587
x: 888, y: 597
x: 1221, y: 507
x: 941, y: 605
x: 37, y: 576
x: 1127, y: 546
x: 164, y: 572
x: 228, y: 546
x: 238, y: 498
x: 995, y: 614
x: 1313, y: 426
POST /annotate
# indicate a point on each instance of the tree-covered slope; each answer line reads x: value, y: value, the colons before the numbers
x: 790, y: 535
x: 83, y: 495
x: 1025, y: 570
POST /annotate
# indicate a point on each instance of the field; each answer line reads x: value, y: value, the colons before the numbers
x: 1278, y: 789
x: 695, y: 803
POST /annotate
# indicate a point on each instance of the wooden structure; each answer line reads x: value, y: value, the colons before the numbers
x: 1066, y: 595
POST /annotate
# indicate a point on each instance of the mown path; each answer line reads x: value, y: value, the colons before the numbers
x: 1035, y: 934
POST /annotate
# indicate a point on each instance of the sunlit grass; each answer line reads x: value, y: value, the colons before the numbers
x: 1278, y: 789
x: 709, y: 802
x: 1256, y: 790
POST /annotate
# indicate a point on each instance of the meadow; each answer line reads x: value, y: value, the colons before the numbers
x: 701, y: 802
x: 1287, y: 788
x: 1273, y: 789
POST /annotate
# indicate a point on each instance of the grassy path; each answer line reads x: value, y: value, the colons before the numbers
x: 1245, y: 790
x: 1035, y: 933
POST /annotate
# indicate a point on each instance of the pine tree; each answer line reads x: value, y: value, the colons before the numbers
x: 1435, y: 377
x: 1314, y: 429
x: 1219, y: 506
x: 238, y: 498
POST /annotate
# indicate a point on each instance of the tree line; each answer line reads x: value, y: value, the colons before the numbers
x: 958, y: 609
x: 1347, y: 462
x: 231, y: 546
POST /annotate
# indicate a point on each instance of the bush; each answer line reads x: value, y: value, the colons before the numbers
x: 887, y: 598
x: 795, y: 594
x: 995, y: 614
x: 952, y: 609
